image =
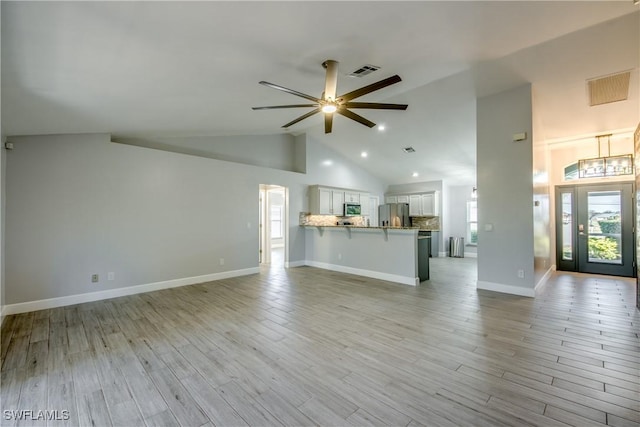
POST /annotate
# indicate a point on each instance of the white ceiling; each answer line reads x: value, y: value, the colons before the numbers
x: 144, y: 69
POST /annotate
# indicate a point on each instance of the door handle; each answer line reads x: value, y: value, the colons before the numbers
x: 581, y: 228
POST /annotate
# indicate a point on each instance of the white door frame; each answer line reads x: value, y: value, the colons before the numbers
x: 265, y: 223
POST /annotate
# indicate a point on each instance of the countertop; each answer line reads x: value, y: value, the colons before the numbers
x: 362, y: 227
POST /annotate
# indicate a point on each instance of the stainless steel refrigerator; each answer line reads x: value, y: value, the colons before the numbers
x: 393, y: 215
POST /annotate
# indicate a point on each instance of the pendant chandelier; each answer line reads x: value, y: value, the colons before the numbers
x: 605, y: 166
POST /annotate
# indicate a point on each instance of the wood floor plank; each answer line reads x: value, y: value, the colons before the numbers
x: 251, y: 411
x: 210, y: 401
x: 178, y: 398
x: 305, y: 346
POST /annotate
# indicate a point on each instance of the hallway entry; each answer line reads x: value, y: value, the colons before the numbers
x: 273, y: 224
x: 594, y: 229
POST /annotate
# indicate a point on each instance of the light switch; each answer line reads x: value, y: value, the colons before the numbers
x: 488, y: 227
x: 519, y: 136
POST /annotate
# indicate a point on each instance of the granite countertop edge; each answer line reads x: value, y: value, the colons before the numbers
x: 370, y: 227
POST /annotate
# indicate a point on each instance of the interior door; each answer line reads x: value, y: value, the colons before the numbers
x: 594, y: 231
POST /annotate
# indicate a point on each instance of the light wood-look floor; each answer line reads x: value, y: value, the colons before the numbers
x: 306, y: 346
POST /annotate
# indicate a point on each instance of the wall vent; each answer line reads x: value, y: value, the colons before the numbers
x: 409, y: 150
x: 364, y: 70
x: 607, y: 89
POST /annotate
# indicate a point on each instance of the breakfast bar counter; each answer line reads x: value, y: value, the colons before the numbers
x: 386, y: 253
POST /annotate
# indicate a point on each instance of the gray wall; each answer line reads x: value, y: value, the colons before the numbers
x: 79, y: 204
x: 270, y: 151
x: 505, y: 191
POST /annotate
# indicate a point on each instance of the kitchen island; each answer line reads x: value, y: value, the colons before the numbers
x: 386, y: 253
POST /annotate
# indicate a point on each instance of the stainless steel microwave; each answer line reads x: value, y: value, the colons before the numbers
x: 352, y: 209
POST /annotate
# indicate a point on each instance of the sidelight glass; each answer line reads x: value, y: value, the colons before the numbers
x: 567, y: 226
x: 605, y: 226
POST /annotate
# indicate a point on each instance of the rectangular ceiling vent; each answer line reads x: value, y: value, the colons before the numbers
x: 612, y: 88
x: 409, y: 150
x: 364, y: 70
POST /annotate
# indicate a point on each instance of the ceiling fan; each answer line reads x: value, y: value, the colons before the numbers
x: 329, y: 103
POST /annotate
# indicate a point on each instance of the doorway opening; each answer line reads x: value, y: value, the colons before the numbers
x: 274, y: 225
x: 594, y: 229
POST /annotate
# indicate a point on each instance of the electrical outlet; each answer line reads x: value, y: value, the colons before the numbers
x: 221, y: 261
x: 521, y: 274
x: 111, y: 276
x: 95, y: 278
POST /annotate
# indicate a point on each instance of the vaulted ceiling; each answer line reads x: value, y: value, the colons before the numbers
x: 145, y: 69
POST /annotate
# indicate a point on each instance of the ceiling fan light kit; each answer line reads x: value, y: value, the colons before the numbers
x: 329, y: 103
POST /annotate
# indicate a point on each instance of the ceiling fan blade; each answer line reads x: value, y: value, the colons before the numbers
x: 328, y: 122
x: 273, y: 107
x: 375, y: 105
x: 291, y: 91
x: 304, y: 116
x: 331, y: 80
x: 353, y: 116
x: 370, y: 88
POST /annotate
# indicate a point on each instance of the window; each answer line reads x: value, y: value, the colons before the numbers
x: 276, y: 222
x: 472, y: 222
x: 571, y: 172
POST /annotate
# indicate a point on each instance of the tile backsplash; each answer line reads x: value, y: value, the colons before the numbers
x: 319, y: 220
x: 426, y: 222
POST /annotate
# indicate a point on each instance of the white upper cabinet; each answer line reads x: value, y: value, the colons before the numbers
x: 415, y: 205
x: 364, y: 203
x: 422, y: 204
x: 337, y: 202
x: 429, y: 205
x: 351, y: 197
x: 330, y: 201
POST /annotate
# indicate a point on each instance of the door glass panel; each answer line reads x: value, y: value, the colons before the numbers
x: 605, y: 226
x: 567, y: 226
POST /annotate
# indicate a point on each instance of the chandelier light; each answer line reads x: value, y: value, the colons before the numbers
x: 605, y: 166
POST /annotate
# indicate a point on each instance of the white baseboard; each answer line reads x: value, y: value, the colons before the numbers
x: 294, y: 264
x: 2, y: 315
x: 471, y: 254
x: 506, y: 289
x: 405, y: 280
x: 43, y: 304
x: 543, y: 280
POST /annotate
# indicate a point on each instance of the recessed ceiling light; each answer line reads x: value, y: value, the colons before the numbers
x: 327, y: 162
x: 364, y: 154
x: 415, y: 174
x: 381, y: 127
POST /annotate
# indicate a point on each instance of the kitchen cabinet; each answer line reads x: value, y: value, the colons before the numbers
x: 424, y: 204
x: 351, y: 197
x: 325, y: 200
x: 401, y: 198
x: 330, y: 200
x: 364, y: 203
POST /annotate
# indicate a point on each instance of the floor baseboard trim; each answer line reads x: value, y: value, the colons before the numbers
x: 505, y: 289
x: 471, y: 254
x: 294, y: 264
x: 25, y: 307
x: 543, y: 280
x: 405, y: 280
